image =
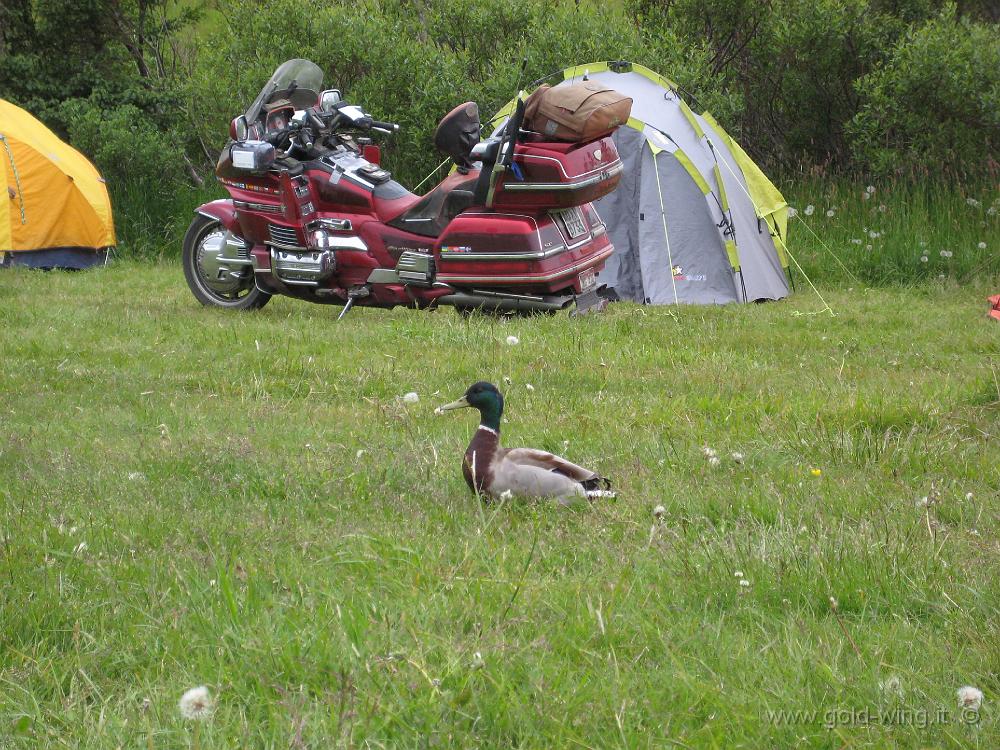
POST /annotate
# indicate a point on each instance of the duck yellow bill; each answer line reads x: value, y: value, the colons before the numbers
x: 459, y: 404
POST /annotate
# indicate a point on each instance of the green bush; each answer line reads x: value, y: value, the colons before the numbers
x: 934, y: 106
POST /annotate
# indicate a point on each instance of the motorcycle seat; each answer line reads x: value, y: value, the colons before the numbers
x: 429, y: 215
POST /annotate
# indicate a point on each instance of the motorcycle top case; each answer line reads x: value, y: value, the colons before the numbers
x: 579, y: 112
x: 549, y: 174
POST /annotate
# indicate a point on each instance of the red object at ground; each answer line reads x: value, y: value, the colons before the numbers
x: 994, y: 306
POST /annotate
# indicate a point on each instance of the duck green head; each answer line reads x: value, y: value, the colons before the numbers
x: 483, y: 396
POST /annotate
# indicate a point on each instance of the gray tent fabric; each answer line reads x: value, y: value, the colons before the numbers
x: 670, y: 218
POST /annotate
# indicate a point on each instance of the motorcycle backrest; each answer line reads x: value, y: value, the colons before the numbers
x: 457, y: 133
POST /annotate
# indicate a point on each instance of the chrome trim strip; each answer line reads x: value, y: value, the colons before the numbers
x: 563, y: 186
x: 535, y: 255
x: 450, y: 278
x: 347, y: 243
x: 264, y: 207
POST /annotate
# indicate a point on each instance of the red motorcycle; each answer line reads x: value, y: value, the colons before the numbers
x: 313, y: 215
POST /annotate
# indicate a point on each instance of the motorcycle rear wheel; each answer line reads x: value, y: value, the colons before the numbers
x: 202, y: 256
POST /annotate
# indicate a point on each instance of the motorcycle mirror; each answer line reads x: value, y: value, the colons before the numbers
x: 329, y: 99
x: 238, y: 128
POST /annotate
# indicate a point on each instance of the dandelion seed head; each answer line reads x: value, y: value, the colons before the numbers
x: 981, y: 245
x: 970, y: 697
x: 868, y: 247
x: 738, y: 573
x: 873, y: 234
x: 870, y: 189
x: 881, y: 208
x: 80, y: 548
x: 196, y: 704
x: 659, y: 511
x: 513, y: 341
x: 968, y: 495
x: 992, y: 210
x: 477, y: 661
x: 411, y: 398
x: 834, y: 604
x: 529, y: 386
x: 830, y: 213
x: 855, y: 242
x: 923, y: 258
x: 744, y: 582
x: 972, y: 202
x: 709, y: 452
x: 713, y: 461
x: 737, y: 457
x: 810, y: 209
x: 892, y: 685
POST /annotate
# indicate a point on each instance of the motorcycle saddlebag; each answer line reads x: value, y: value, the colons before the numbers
x: 579, y: 112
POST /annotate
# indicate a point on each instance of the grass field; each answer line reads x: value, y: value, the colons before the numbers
x: 192, y: 497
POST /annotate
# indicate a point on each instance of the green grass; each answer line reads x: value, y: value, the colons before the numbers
x: 899, y: 233
x: 263, y: 515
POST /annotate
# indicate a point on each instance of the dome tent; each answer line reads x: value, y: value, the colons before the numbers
x: 693, y: 219
x: 57, y: 213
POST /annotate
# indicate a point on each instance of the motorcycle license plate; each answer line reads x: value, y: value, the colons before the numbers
x: 588, y: 280
x: 572, y: 221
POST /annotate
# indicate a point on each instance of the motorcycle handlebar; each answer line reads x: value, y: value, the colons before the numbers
x: 388, y: 127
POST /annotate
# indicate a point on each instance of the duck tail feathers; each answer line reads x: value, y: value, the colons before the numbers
x: 599, y: 487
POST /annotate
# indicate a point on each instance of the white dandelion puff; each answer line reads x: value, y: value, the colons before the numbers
x: 810, y: 209
x: 866, y: 196
x: 196, y: 704
x: 972, y: 202
x: 513, y: 341
x: 792, y: 213
x: 874, y: 235
x: 529, y: 386
x: 923, y: 258
x: 981, y: 245
x: 360, y: 453
x: 992, y: 211
x: 411, y: 398
x: 136, y: 476
x: 744, y: 582
x: 659, y: 511
x: 970, y: 697
x: 737, y: 457
x: 738, y: 573
x: 506, y: 495
x: 881, y: 208
x: 709, y: 452
x: 892, y: 685
x: 713, y: 461
x: 855, y: 242
x: 80, y: 548
x: 830, y: 213
x: 868, y: 247
x: 870, y: 189
x: 969, y: 495
x: 477, y: 661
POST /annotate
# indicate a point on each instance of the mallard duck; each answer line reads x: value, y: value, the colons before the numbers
x: 495, y: 471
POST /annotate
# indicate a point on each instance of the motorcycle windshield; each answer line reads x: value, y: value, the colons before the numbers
x: 303, y: 77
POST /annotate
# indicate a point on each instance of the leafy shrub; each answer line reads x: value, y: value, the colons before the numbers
x: 934, y: 105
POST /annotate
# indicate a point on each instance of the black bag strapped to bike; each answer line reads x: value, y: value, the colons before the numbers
x: 579, y: 112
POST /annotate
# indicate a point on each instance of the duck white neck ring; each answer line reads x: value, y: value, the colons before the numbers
x: 489, y: 429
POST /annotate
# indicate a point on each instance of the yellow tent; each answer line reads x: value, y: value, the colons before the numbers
x: 58, y: 213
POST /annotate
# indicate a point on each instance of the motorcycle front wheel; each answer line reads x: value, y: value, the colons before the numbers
x: 212, y: 280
